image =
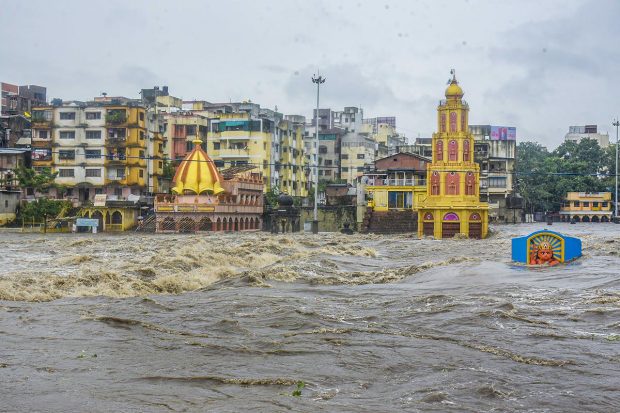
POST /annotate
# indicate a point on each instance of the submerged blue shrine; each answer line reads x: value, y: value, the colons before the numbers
x: 545, y: 248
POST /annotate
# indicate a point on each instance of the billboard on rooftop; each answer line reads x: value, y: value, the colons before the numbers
x: 503, y: 133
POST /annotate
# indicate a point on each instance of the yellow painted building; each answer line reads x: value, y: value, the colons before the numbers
x: 587, y: 207
x: 397, y: 183
x: 293, y: 177
x: 100, y: 147
x: 452, y: 203
x: 357, y: 150
x: 270, y: 142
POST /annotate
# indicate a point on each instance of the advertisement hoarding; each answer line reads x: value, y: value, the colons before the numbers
x: 503, y: 133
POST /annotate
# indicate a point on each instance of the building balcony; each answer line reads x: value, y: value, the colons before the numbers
x: 42, y: 124
x: 237, y: 135
x: 234, y: 153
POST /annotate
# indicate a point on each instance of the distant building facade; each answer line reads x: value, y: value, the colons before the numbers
x: 495, y: 149
x: 587, y: 207
x: 577, y: 133
x: 98, y: 147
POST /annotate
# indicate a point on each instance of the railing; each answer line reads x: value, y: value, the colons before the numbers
x: 396, y: 182
x: 234, y: 152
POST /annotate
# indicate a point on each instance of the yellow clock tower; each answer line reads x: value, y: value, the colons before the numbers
x: 452, y: 203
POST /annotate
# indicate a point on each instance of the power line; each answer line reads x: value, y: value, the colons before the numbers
x: 498, y: 174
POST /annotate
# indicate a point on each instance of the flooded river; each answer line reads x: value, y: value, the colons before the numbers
x: 369, y: 323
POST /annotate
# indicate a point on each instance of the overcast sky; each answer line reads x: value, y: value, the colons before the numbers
x: 537, y: 65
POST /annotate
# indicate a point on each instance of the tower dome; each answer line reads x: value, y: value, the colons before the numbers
x: 454, y: 91
x: 197, y: 174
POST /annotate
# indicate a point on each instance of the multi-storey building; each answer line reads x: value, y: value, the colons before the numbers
x: 385, y: 120
x: 495, y: 152
x: 357, y: 153
x: 328, y: 153
x: 577, y: 133
x: 293, y: 174
x: 100, y: 147
x: 587, y: 207
x: 17, y: 100
x: 243, y: 133
x: 182, y: 127
x: 349, y: 119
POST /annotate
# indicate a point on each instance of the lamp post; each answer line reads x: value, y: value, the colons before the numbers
x: 315, y: 223
x: 616, y: 124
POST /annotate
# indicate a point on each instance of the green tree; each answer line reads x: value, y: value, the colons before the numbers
x: 544, y: 178
x: 41, y: 208
x: 169, y: 169
x: 40, y: 181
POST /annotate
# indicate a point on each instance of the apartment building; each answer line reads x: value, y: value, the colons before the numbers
x: 100, y: 147
x: 495, y: 152
x: 577, y: 133
x: 358, y: 151
x: 243, y: 133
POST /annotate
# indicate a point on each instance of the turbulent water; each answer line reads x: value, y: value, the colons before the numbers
x: 232, y: 323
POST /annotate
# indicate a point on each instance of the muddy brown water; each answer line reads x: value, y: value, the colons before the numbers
x: 231, y: 323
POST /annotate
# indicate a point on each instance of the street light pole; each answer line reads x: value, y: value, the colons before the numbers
x: 315, y: 223
x: 616, y: 124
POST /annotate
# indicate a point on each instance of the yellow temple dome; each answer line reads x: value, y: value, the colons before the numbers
x: 197, y: 174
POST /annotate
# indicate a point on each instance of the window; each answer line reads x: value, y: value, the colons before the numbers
x: 93, y: 173
x: 344, y: 156
x: 120, y: 173
x: 328, y: 173
x: 42, y: 115
x: 93, y: 153
x: 360, y: 156
x: 497, y: 182
x: 594, y: 204
x: 117, y: 133
x: 360, y: 169
x: 93, y: 134
x: 6, y: 203
x: 190, y: 129
x: 43, y: 134
x: 216, y: 146
x: 161, y: 147
x: 345, y: 169
x: 141, y: 135
x: 452, y: 121
x: 604, y: 205
x: 98, y: 191
x: 66, y: 134
x: 576, y: 203
x: 328, y: 162
x: 586, y: 204
x: 66, y: 154
x: 118, y: 192
x: 322, y: 149
x: 67, y: 115
x: 141, y: 154
x: 160, y: 164
x: 66, y: 173
x: 141, y: 173
x: 141, y: 116
x: 93, y: 115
